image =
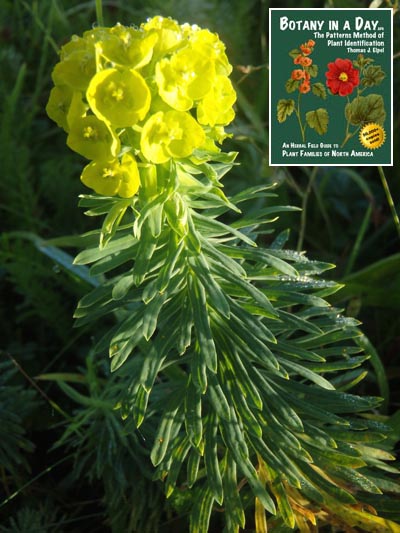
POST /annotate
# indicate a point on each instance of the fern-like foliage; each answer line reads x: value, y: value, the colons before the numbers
x: 106, y: 450
x: 16, y: 405
x: 231, y: 350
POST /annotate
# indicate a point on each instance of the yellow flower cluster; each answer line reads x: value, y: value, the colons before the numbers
x: 128, y: 97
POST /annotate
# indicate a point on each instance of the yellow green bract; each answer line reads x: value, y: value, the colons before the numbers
x: 129, y: 96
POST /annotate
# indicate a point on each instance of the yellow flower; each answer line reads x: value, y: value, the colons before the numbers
x: 210, y: 45
x: 120, y: 97
x: 216, y: 106
x: 171, y: 134
x: 184, y: 78
x: 168, y: 31
x: 77, y: 65
x: 59, y: 104
x: 113, y: 177
x: 161, y: 91
x: 91, y: 138
x: 128, y: 46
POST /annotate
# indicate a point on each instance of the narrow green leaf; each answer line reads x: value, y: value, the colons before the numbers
x: 247, y: 417
x: 254, y: 349
x: 278, y: 404
x: 217, y: 228
x: 284, y: 507
x: 215, y: 295
x: 91, y: 255
x: 145, y: 251
x: 184, y: 336
x: 234, y: 438
x: 201, y: 513
x: 173, y: 256
x: 254, y: 325
x: 140, y: 405
x: 113, y: 220
x: 125, y: 340
x: 279, y: 462
x: 122, y: 286
x: 296, y: 351
x: 180, y: 449
x: 322, y: 484
x: 193, y: 467
x: 355, y: 478
x: 150, y: 316
x: 202, y: 324
x: 162, y: 438
x: 248, y: 385
x: 217, y: 398
x: 232, y: 502
x: 309, y: 374
x: 211, y: 459
x: 193, y: 413
x: 199, y: 370
x: 109, y: 262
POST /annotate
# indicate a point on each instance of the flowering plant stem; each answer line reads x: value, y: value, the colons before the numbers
x: 224, y: 353
x: 298, y: 114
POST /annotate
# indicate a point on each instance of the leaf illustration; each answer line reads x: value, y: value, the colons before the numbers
x: 373, y: 75
x: 291, y: 85
x: 312, y: 70
x: 319, y: 90
x: 362, y: 61
x: 285, y: 108
x: 318, y: 120
x: 294, y: 53
x: 364, y: 109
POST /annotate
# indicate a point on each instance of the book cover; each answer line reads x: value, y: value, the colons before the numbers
x: 330, y: 87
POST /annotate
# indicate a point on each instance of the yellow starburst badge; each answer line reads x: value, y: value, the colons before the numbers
x: 372, y: 135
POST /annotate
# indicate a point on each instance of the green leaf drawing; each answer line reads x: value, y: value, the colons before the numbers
x: 373, y: 75
x: 365, y: 109
x: 362, y: 61
x: 291, y: 85
x: 285, y: 108
x: 312, y: 70
x: 319, y: 90
x: 294, y: 53
x: 318, y: 120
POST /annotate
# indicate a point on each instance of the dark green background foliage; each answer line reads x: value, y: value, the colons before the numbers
x: 67, y: 460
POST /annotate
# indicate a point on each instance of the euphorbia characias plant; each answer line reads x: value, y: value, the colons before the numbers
x: 228, y: 349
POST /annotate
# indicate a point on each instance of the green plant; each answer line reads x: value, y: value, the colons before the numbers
x: 227, y: 357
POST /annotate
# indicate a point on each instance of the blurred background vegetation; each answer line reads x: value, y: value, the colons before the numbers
x: 66, y: 459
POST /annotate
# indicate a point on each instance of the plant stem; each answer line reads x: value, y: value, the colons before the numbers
x: 360, y: 237
x: 304, y: 208
x: 297, y: 111
x: 389, y: 199
x: 99, y: 13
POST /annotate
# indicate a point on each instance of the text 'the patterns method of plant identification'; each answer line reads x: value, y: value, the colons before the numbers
x: 233, y: 366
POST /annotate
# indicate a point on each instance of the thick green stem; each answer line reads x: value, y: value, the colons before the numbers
x: 99, y: 13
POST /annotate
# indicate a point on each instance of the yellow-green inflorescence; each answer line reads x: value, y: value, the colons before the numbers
x: 133, y: 97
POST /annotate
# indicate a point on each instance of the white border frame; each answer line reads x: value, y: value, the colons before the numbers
x: 269, y: 90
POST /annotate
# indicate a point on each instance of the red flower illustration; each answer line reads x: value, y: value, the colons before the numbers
x: 342, y: 77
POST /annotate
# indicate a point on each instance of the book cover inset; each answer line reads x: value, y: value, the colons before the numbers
x: 330, y: 83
